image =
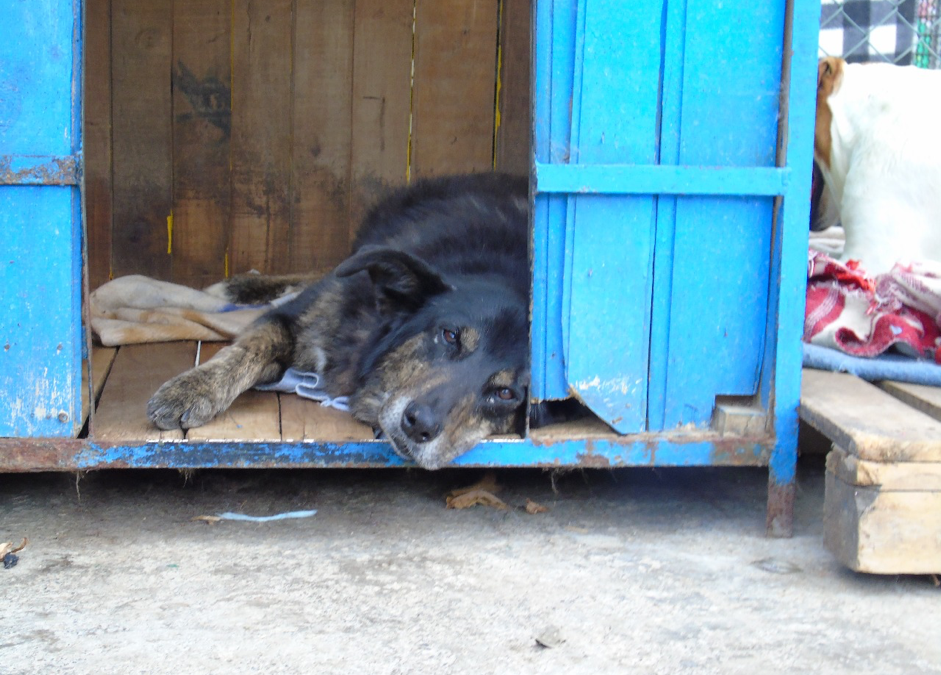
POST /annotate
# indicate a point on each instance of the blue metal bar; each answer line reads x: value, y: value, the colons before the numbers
x: 39, y: 170
x: 789, y: 265
x: 697, y: 450
x: 647, y: 179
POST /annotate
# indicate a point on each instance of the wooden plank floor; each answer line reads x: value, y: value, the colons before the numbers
x: 131, y: 376
x: 890, y: 422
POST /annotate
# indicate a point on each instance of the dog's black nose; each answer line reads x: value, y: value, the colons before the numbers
x: 420, y: 423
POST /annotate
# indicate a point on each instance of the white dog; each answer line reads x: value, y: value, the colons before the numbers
x: 878, y: 144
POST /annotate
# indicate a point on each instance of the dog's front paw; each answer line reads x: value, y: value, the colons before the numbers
x: 188, y: 400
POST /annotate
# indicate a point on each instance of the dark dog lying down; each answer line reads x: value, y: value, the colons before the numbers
x: 424, y: 326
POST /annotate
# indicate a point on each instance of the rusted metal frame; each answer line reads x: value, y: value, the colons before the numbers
x: 696, y: 449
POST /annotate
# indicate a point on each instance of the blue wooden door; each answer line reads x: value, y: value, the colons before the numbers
x: 40, y: 208
x: 657, y: 170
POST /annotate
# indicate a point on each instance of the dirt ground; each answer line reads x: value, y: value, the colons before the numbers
x: 629, y: 571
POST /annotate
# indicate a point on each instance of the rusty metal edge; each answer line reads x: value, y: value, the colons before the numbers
x: 40, y: 170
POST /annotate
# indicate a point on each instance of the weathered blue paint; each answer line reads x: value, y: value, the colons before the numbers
x: 40, y: 277
x: 673, y: 56
x: 523, y: 452
x: 615, y: 119
x: 642, y: 179
x: 722, y: 245
x: 781, y: 376
x: 554, y: 41
x: 725, y: 274
x: 661, y: 278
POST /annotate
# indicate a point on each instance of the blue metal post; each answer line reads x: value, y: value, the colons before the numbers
x: 40, y: 208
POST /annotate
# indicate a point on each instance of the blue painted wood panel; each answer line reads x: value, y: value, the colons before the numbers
x: 40, y: 216
x: 36, y: 58
x: 722, y: 246
x: 554, y: 73
x: 40, y: 349
x: 615, y: 115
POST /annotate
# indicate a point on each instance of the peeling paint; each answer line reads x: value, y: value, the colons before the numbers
x: 38, y: 170
x: 624, y: 386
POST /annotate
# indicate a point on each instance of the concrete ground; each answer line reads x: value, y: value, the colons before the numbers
x: 629, y: 571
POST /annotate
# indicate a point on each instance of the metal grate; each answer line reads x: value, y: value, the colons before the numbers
x: 905, y: 32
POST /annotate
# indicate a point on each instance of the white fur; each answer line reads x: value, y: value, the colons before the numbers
x: 885, y: 163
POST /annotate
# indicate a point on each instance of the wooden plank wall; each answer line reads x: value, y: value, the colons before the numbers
x: 229, y: 135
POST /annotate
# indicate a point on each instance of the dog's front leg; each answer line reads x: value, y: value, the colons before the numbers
x: 196, y: 396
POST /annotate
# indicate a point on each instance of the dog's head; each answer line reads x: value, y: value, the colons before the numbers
x: 450, y: 365
x: 829, y: 77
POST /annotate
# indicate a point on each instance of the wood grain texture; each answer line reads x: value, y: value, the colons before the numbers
x: 323, y: 77
x: 141, y: 33
x: 886, y: 475
x: 305, y: 420
x: 261, y: 136
x: 866, y: 421
x: 919, y: 396
x: 382, y: 61
x: 101, y: 360
x: 202, y: 115
x: 254, y: 416
x: 880, y: 531
x: 97, y: 139
x: 513, y: 135
x: 137, y: 372
x: 453, y: 91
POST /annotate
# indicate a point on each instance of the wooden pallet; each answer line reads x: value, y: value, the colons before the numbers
x: 882, y: 510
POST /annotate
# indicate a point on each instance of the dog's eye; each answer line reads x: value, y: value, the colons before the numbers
x: 505, y: 394
x: 450, y: 336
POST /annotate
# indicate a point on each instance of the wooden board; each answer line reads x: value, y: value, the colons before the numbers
x: 137, y: 372
x: 882, y: 531
x: 97, y: 139
x: 253, y: 416
x: 305, y: 420
x: 514, y: 104
x: 101, y: 360
x: 918, y: 396
x: 453, y: 89
x: 924, y: 476
x: 382, y: 62
x: 261, y: 136
x: 202, y: 116
x: 141, y: 36
x: 323, y: 77
x: 866, y: 421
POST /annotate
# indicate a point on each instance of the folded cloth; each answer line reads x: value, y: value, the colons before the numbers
x: 864, y: 316
x: 830, y: 241
x: 306, y: 385
x: 136, y: 309
x: 883, y: 367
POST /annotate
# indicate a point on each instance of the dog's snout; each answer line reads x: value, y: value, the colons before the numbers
x: 420, y: 423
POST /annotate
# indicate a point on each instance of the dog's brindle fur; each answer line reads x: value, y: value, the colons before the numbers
x: 424, y: 326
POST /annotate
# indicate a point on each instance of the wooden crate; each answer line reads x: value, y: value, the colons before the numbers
x: 882, y: 510
x: 228, y: 135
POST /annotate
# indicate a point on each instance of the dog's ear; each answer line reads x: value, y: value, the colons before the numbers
x: 829, y: 76
x: 399, y: 278
x: 829, y: 70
